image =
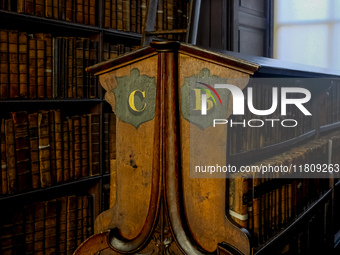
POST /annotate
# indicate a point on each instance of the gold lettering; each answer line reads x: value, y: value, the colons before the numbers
x: 199, y: 99
x: 132, y: 100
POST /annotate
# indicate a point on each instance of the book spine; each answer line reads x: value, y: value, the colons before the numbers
x: 34, y: 151
x: 106, y: 139
x: 70, y: 67
x: 48, y: 9
x: 80, y: 67
x: 32, y: 91
x: 85, y: 219
x: 61, y: 74
x: 113, y: 51
x: 62, y: 222
x: 39, y: 227
x: 44, y: 149
x: 10, y: 156
x: 29, y: 228
x: 84, y: 146
x: 79, y: 221
x: 86, y: 11
x: 29, y: 7
x: 49, y: 65
x: 66, y: 162
x: 71, y: 148
x: 55, y: 6
x: 77, y: 147
x: 119, y: 14
x: 138, y: 16
x: 41, y: 68
x: 58, y: 145
x: 40, y: 8
x: 143, y: 15
x: 13, y: 64
x: 107, y: 14
x: 51, y: 208
x: 92, y: 11
x: 133, y: 13
x: 94, y: 144
x: 80, y: 11
x: 53, y: 164
x: 106, y: 48
x: 4, y: 181
x: 114, y: 14
x: 159, y: 17
x: 18, y: 232
x: 22, y: 148
x: 4, y: 64
x: 86, y: 63
x: 7, y: 231
x: 71, y: 224
x: 69, y: 11
x: 126, y: 15
x: 23, y: 60
x: 62, y: 9
x: 93, y: 60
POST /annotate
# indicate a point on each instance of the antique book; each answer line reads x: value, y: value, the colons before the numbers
x: 69, y: 12
x: 79, y: 221
x: 114, y: 14
x: 238, y: 208
x: 29, y: 7
x: 4, y: 181
x: 92, y: 78
x: 71, y: 148
x: 138, y: 17
x: 71, y: 225
x: 51, y: 225
x: 39, y: 8
x: 170, y: 17
x: 159, y: 17
x: 23, y: 60
x: 48, y: 64
x: 107, y: 13
x: 86, y: 11
x: 62, y: 221
x: 44, y: 149
x: 92, y: 12
x: 71, y: 68
x: 32, y: 68
x: 10, y: 156
x: 133, y: 19
x: 66, y: 148
x: 55, y: 6
x: 13, y: 64
x: 29, y: 228
x: 119, y: 14
x: 55, y: 75
x: 7, y: 231
x: 106, y: 51
x: 22, y: 148
x: 62, y: 67
x: 84, y: 145
x: 53, y: 163
x: 48, y: 9
x: 62, y: 9
x: 112, y: 136
x: 256, y: 209
x: 94, y: 144
x: 77, y: 147
x: 80, y: 67
x: 86, y: 63
x: 126, y: 15
x: 80, y: 11
x: 106, y: 139
x: 58, y: 145
x: 114, y: 51
x: 18, y: 232
x: 85, y: 219
x: 41, y: 48
x: 4, y: 64
x: 143, y: 14
x: 39, y: 227
x: 34, y: 149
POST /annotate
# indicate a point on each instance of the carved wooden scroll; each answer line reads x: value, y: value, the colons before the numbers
x: 159, y: 208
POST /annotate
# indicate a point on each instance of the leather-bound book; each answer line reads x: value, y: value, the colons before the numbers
x: 32, y: 68
x: 55, y: 74
x: 39, y: 227
x: 4, y: 64
x: 48, y: 9
x: 4, y: 182
x: 52, y: 147
x: 66, y: 148
x: 106, y: 51
x: 114, y: 51
x: 159, y: 17
x: 58, y: 145
x: 126, y: 15
x: 114, y: 14
x: 94, y: 143
x: 92, y: 78
x: 10, y: 156
x: 22, y: 150
x: 69, y: 11
x: 133, y: 13
x: 139, y: 17
x: 34, y: 145
x: 143, y: 14
x: 107, y: 13
x: 40, y: 8
x: 106, y: 139
x: 86, y: 11
x: 44, y: 149
x: 71, y: 225
x: 170, y: 17
x: 23, y: 68
x: 80, y: 11
x: 79, y: 221
x: 62, y: 9
x: 18, y: 232
x: 29, y: 228
x: 85, y: 217
x: 92, y: 13
x: 51, y: 224
x: 70, y: 67
x: 120, y: 14
x: 77, y: 147
x: 29, y: 7
x: 13, y: 64
x: 86, y: 76
x: 84, y: 146
x: 55, y: 6
x: 71, y: 148
x: 62, y: 219
x: 80, y: 67
x: 41, y: 68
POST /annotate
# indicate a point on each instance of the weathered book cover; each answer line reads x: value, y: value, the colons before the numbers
x: 94, y: 143
x: 80, y: 67
x: 13, y: 64
x: 4, y: 64
x: 126, y: 15
x: 10, y: 156
x: 92, y: 12
x: 84, y: 146
x: 41, y: 65
x: 23, y: 60
x: 77, y: 147
x: 4, y: 181
x: 34, y: 149
x: 71, y: 148
x: 66, y: 148
x: 58, y: 145
x: 79, y: 220
x: 52, y: 147
x: 71, y: 225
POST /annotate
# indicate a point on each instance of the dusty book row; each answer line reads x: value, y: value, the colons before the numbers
x: 57, y: 226
x: 266, y: 203
x: 42, y: 149
x: 130, y: 15
x: 79, y: 11
x: 39, y: 66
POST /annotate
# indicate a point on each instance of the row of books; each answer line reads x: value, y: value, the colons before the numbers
x: 41, y: 66
x: 56, y: 226
x: 79, y: 11
x: 130, y: 15
x: 330, y: 104
x: 267, y: 205
x: 41, y: 149
x: 244, y: 137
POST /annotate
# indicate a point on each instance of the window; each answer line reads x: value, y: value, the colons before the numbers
x: 308, y: 32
